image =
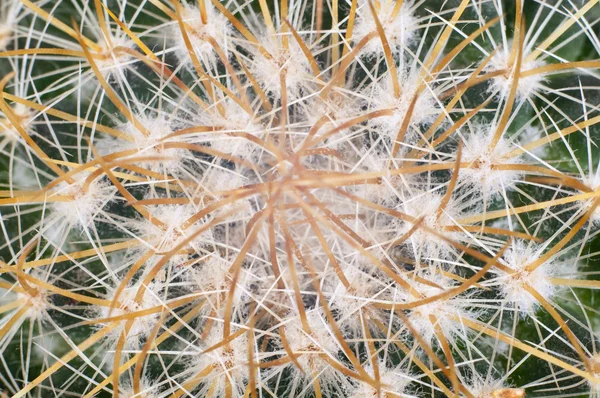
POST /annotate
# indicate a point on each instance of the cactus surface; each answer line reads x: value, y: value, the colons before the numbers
x: 299, y: 198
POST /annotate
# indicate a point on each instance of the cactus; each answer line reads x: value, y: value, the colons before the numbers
x: 303, y: 198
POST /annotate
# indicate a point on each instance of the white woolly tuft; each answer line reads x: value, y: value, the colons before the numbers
x: 85, y: 200
x: 8, y: 131
x: 309, y: 347
x: 593, y: 182
x: 443, y: 314
x: 292, y: 60
x: 112, y: 61
x: 518, y: 257
x: 423, y: 243
x: 159, y: 127
x: 486, y: 388
x: 393, y: 383
x: 350, y: 301
x: 5, y: 35
x: 126, y: 390
x: 320, y: 340
x: 381, y: 96
x: 37, y: 306
x: 483, y: 159
x: 164, y: 231
x: 9, y: 11
x: 213, y: 278
x: 217, y: 27
x: 236, y: 120
x: 400, y: 30
x: 595, y: 371
x: 227, y: 363
x: 127, y: 304
x: 527, y: 85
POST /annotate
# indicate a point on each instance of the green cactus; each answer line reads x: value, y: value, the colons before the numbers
x: 299, y: 198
